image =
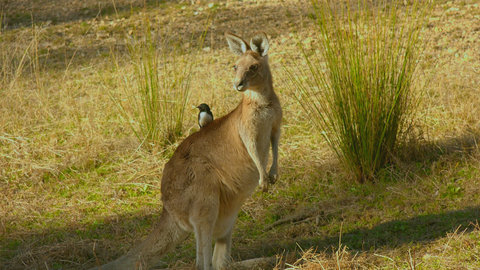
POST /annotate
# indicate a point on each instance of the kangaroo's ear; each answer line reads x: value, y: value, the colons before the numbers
x: 237, y: 44
x: 259, y: 43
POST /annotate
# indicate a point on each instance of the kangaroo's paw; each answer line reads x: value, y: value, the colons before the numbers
x: 272, y: 178
x: 264, y: 185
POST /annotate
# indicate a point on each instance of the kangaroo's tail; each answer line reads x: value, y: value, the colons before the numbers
x: 165, y: 236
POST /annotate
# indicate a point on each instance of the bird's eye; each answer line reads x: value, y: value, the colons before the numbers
x: 235, y: 67
x: 253, y: 67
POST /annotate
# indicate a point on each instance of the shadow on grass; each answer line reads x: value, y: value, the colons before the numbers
x: 74, y: 246
x: 392, y: 234
x: 417, y: 229
x: 455, y: 147
x: 87, y: 44
x: 24, y: 13
x: 79, y: 247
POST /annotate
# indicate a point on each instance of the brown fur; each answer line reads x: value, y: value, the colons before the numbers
x: 215, y: 170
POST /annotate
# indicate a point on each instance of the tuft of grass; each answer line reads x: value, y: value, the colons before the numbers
x: 155, y: 106
x: 357, y: 86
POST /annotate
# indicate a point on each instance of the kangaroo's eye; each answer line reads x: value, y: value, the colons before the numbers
x: 253, y: 67
x: 235, y: 67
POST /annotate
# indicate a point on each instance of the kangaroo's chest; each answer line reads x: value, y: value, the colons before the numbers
x: 257, y: 128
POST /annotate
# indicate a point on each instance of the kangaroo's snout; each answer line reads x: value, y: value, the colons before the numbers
x: 239, y: 84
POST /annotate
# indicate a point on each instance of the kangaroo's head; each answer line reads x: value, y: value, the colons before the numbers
x: 251, y: 69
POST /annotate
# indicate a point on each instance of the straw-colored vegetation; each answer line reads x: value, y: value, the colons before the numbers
x: 77, y: 186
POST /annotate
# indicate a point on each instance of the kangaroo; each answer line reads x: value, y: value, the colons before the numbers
x: 214, y: 170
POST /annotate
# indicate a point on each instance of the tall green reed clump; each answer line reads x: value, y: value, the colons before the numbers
x: 358, y: 82
x: 155, y: 107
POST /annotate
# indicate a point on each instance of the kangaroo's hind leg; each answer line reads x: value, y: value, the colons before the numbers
x: 221, y: 253
x: 203, y: 219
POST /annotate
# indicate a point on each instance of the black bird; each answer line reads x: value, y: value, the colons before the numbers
x: 205, y: 116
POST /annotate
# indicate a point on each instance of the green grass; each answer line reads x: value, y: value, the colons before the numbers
x: 358, y: 82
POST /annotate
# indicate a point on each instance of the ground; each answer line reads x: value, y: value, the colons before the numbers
x: 76, y: 187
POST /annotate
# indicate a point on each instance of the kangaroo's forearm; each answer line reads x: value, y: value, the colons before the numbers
x: 274, y: 166
x: 274, y: 139
x: 257, y: 160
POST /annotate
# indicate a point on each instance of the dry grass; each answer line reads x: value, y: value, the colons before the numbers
x: 75, y: 185
x: 458, y: 250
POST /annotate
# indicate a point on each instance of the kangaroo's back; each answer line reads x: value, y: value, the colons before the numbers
x: 212, y: 158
